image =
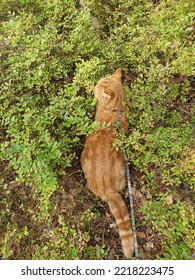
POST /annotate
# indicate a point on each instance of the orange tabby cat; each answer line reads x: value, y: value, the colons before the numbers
x: 103, y: 166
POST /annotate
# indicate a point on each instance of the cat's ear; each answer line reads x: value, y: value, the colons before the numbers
x: 107, y: 93
x: 117, y: 74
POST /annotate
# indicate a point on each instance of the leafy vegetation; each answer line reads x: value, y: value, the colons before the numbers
x: 52, y: 54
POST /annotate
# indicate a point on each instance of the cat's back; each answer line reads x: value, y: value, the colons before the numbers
x: 100, y: 160
x: 98, y: 144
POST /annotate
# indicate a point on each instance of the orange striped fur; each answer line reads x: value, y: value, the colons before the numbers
x: 103, y: 166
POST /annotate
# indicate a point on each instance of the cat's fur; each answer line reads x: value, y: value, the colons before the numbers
x: 103, y: 166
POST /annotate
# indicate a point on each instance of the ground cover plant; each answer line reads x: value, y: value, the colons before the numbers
x: 52, y: 54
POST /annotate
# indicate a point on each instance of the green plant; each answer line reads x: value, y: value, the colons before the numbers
x: 174, y: 223
x: 52, y: 54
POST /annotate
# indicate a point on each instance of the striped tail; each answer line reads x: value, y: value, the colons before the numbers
x: 121, y: 215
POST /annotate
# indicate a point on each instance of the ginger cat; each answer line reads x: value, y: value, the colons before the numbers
x: 103, y: 166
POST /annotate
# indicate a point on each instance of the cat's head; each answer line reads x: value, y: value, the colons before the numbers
x: 109, y: 91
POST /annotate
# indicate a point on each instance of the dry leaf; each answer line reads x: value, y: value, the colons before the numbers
x: 13, y: 185
x: 169, y: 200
x: 149, y: 246
x: 141, y: 234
